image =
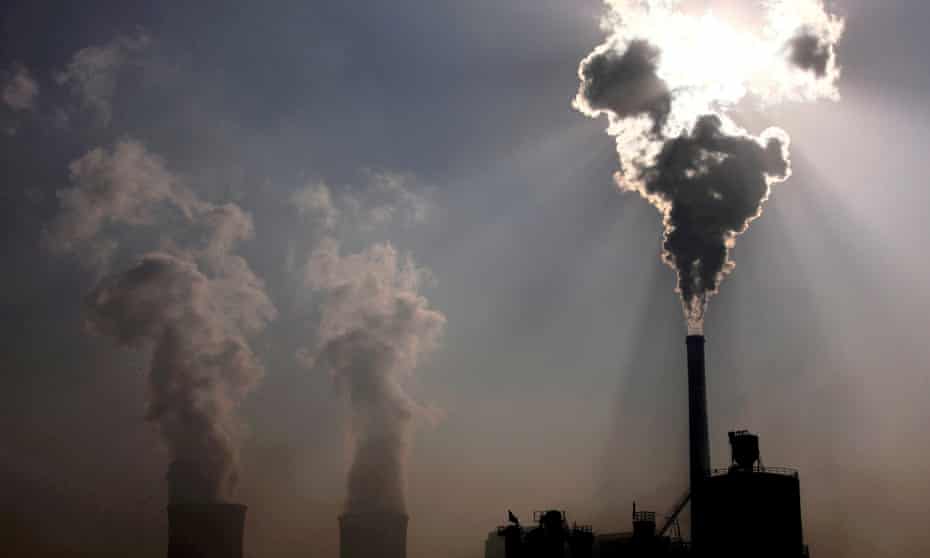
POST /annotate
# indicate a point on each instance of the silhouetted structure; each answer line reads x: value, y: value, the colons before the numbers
x: 751, y: 510
x: 199, y: 526
x: 643, y: 542
x: 551, y: 537
x: 743, y: 510
x: 373, y: 535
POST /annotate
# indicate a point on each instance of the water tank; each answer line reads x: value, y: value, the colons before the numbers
x: 744, y: 449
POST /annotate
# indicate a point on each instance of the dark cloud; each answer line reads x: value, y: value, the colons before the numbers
x: 625, y: 84
x: 711, y: 186
x: 810, y: 52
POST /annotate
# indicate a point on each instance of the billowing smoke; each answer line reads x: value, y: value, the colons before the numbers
x: 125, y: 186
x: 19, y: 90
x: 809, y: 52
x: 374, y: 327
x: 190, y: 306
x: 93, y: 73
x: 625, y: 83
x: 667, y: 80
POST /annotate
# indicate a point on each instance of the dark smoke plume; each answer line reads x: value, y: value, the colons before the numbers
x: 374, y: 328
x: 710, y: 185
x: 666, y: 81
x: 189, y: 306
x: 810, y: 52
x: 625, y: 84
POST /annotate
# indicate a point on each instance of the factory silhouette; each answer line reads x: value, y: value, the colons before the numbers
x: 745, y: 509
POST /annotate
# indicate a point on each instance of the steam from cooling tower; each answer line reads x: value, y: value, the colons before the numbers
x: 374, y: 328
x: 667, y: 81
x: 191, y: 306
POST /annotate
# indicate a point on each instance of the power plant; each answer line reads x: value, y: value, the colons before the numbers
x: 745, y: 509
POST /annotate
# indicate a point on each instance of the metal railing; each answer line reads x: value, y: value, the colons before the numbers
x: 756, y: 469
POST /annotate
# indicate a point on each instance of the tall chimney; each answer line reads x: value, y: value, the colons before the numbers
x: 373, y: 535
x: 698, y: 439
x: 200, y: 526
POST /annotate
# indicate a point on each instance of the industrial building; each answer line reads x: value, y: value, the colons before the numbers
x: 550, y: 537
x: 745, y: 509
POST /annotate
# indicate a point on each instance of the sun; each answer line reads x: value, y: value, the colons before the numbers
x: 711, y: 62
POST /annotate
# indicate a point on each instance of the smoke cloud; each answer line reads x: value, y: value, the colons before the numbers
x: 190, y: 306
x: 374, y: 327
x: 625, y: 83
x: 809, y: 52
x: 123, y: 186
x: 385, y: 198
x: 667, y: 82
x: 93, y: 71
x: 20, y: 90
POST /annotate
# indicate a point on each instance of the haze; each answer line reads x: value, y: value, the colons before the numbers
x: 559, y: 377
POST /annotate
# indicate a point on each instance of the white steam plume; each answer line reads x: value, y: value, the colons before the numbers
x: 192, y: 306
x: 19, y: 90
x: 374, y: 327
x: 93, y: 72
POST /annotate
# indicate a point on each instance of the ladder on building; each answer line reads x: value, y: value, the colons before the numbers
x: 672, y: 518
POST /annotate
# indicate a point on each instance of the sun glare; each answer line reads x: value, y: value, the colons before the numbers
x: 711, y: 63
x: 668, y: 78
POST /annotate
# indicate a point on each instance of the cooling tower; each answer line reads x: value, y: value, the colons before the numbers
x: 373, y: 535
x: 198, y: 525
x: 699, y: 443
x: 205, y: 530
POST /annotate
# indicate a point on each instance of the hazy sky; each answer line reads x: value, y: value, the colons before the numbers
x: 559, y: 379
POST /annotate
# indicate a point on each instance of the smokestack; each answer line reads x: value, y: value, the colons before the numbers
x: 373, y: 535
x: 199, y: 526
x: 699, y: 442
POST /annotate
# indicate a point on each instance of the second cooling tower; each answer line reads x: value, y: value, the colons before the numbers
x: 199, y: 525
x: 205, y: 530
x: 373, y: 535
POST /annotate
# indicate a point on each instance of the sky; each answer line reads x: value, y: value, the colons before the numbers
x: 547, y: 340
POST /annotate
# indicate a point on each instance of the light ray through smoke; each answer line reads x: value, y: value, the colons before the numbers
x: 668, y: 80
